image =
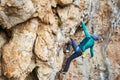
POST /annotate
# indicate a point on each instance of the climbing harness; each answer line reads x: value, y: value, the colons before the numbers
x: 77, y: 49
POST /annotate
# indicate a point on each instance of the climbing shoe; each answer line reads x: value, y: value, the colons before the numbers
x: 62, y: 76
x: 67, y: 51
x: 64, y: 73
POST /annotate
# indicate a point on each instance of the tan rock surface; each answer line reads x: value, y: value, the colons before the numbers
x: 13, y: 12
x: 2, y: 42
x: 17, y: 54
x: 64, y: 2
x: 44, y: 11
x: 46, y: 50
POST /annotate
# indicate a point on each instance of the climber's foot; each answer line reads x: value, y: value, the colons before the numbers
x: 63, y: 76
x: 67, y: 51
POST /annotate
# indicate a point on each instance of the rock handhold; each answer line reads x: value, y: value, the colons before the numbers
x: 64, y: 2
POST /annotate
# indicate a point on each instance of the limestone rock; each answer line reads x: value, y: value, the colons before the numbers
x: 44, y: 11
x: 70, y: 12
x: 2, y: 42
x: 44, y: 42
x: 50, y: 56
x: 118, y: 4
x: 13, y: 12
x: 69, y: 15
x: 2, y: 39
x: 3, y: 78
x: 18, y: 52
x: 118, y: 77
x: 53, y: 3
x: 64, y: 2
x: 76, y: 2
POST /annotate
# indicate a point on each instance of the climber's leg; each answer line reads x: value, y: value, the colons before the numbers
x: 73, y: 44
x: 73, y: 56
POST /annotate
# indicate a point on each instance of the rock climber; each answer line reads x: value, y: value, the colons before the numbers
x: 87, y: 42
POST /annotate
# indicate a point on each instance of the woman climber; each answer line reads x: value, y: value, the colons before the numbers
x: 87, y: 42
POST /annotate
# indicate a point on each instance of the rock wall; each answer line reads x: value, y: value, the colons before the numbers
x: 33, y: 35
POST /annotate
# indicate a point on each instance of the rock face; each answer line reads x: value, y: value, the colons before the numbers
x: 64, y: 2
x: 34, y: 33
x: 42, y: 7
x: 2, y: 42
x: 113, y: 55
x: 20, y: 50
x: 13, y: 12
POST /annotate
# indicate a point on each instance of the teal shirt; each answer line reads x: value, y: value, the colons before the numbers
x: 87, y: 42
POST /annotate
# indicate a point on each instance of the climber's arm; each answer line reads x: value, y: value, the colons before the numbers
x: 85, y: 30
x: 92, y: 51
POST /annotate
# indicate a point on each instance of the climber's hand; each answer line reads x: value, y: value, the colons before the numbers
x: 83, y: 54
